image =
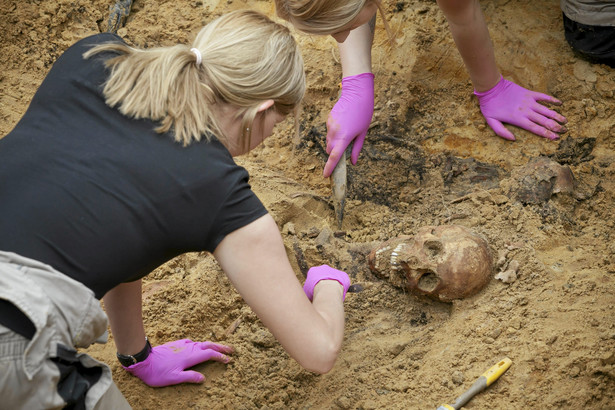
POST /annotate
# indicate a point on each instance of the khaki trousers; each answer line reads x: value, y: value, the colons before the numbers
x: 66, y: 316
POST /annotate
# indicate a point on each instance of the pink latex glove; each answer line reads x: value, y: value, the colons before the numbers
x: 349, y: 119
x: 324, y: 272
x: 166, y: 364
x: 507, y: 102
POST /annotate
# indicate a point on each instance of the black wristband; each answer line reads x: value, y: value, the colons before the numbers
x: 128, y: 360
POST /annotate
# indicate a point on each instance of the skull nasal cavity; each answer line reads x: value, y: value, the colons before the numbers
x: 428, y: 282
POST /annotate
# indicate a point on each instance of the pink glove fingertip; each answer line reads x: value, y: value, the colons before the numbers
x: 356, y: 149
x: 330, y: 165
x: 190, y: 376
x: 500, y: 129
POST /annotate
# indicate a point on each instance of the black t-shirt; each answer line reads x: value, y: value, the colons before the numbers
x: 102, y: 197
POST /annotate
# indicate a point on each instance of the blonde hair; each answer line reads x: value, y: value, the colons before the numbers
x: 246, y: 59
x: 322, y: 16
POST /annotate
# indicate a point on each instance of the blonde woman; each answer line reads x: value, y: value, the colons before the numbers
x: 352, y: 22
x: 124, y: 160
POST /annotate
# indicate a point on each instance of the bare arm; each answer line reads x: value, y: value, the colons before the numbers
x: 123, y: 307
x: 255, y: 261
x: 356, y: 50
x: 471, y: 35
x: 349, y: 120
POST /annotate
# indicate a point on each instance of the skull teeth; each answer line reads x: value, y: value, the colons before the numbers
x: 394, y: 255
x: 393, y: 261
x: 379, y: 251
x: 377, y: 259
x: 398, y: 248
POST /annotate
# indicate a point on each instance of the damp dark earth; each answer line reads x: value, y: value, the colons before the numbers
x: 544, y: 208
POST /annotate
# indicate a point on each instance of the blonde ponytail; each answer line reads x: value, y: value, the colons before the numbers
x: 246, y: 59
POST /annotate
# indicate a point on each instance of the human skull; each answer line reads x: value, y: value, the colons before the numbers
x: 443, y: 262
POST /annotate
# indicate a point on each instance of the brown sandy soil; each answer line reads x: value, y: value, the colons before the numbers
x: 429, y: 159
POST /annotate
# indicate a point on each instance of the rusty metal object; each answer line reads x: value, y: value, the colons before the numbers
x: 443, y: 262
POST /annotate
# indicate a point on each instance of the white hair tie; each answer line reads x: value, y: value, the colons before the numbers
x: 197, y: 53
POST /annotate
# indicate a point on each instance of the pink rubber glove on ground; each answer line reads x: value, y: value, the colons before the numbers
x: 507, y: 102
x: 166, y: 364
x: 324, y: 272
x: 349, y: 119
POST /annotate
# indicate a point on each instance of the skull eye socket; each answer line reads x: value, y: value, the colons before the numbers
x: 428, y: 281
x: 433, y: 247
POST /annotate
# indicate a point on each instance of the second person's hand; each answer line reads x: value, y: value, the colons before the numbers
x: 510, y: 103
x: 349, y: 119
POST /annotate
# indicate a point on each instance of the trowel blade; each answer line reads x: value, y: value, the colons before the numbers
x: 338, y: 186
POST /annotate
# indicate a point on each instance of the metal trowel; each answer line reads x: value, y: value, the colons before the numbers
x: 338, y: 186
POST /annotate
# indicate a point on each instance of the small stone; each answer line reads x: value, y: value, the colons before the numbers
x: 508, y: 276
x: 397, y: 348
x: 458, y: 377
x: 494, y: 333
x: 583, y: 71
x: 324, y: 237
x: 502, y: 253
x: 289, y: 228
x: 539, y: 363
x: 370, y: 405
x: 608, y: 359
x: 343, y: 402
x: 313, y: 232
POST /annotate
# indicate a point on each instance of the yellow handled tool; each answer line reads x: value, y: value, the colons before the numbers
x: 479, y: 385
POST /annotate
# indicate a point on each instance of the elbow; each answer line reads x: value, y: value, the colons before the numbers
x: 322, y: 359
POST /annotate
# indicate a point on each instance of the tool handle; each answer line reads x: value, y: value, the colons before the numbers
x: 478, y: 386
x: 486, y: 379
x: 497, y: 370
